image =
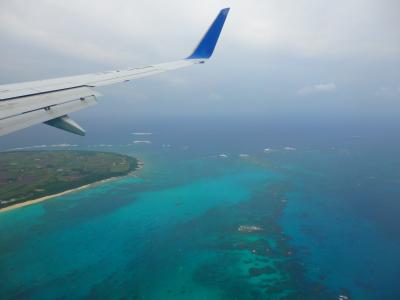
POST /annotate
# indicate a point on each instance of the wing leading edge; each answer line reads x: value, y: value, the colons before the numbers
x: 49, y: 101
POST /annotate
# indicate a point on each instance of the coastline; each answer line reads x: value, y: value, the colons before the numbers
x: 80, y: 188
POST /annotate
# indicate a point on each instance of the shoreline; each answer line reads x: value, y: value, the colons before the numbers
x: 80, y: 188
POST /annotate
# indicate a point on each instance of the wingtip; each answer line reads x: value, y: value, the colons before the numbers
x: 225, y: 10
x: 206, y: 47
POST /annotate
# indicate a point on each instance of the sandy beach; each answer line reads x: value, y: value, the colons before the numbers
x: 90, y: 185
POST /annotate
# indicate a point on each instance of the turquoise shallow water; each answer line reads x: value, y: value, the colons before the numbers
x: 171, y: 232
x: 106, y: 240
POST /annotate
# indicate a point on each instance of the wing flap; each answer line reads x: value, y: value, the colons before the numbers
x: 67, y: 124
x: 18, y: 106
x: 27, y: 111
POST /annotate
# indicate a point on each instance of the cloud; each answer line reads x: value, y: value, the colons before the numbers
x: 318, y: 88
x: 121, y: 30
x: 388, y: 91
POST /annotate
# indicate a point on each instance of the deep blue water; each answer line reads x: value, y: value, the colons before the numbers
x: 328, y: 209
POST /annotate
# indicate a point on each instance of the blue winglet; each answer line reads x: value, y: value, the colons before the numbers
x: 207, y: 44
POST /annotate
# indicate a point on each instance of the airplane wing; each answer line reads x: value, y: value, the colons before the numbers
x: 50, y: 101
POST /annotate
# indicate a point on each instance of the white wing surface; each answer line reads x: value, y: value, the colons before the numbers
x: 50, y: 101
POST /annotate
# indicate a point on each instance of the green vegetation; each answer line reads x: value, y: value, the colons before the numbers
x: 27, y: 175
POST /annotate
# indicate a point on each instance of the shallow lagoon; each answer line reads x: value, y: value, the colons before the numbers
x: 172, y: 233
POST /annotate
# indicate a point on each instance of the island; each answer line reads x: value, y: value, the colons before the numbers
x: 28, y: 177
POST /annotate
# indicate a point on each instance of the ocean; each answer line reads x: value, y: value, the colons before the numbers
x: 221, y: 210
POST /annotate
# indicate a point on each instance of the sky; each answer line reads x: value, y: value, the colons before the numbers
x: 275, y: 59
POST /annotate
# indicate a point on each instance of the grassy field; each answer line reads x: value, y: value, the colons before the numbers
x: 27, y: 175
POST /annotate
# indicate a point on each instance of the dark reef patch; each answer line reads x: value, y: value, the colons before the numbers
x: 256, y: 265
x: 260, y: 271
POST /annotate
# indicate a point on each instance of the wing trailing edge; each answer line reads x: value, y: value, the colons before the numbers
x: 24, y: 112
